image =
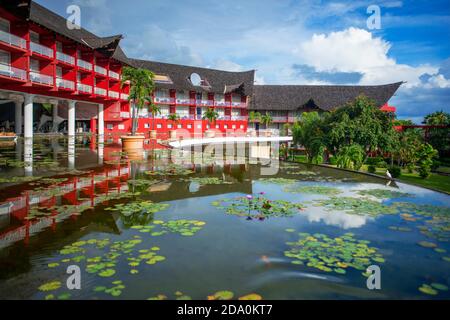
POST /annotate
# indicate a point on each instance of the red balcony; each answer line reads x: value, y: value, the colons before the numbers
x: 222, y: 103
x: 41, y: 79
x: 239, y: 104
x: 84, y: 65
x: 100, y: 92
x: 65, y: 59
x: 113, y: 75
x: 10, y: 41
x: 113, y: 95
x: 40, y: 51
x: 7, y: 71
x: 100, y: 71
x: 84, y: 89
x: 65, y: 84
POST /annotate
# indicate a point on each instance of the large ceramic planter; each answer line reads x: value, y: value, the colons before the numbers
x: 210, y: 134
x: 173, y: 135
x: 132, y: 143
x: 152, y: 134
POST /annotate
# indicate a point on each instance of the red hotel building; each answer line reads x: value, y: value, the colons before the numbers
x: 44, y: 63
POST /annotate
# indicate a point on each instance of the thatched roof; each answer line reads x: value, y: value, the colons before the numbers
x: 295, y: 97
x: 219, y: 81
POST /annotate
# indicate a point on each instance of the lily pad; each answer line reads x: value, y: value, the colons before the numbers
x: 50, y: 286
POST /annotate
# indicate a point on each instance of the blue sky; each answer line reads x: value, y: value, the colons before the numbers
x: 291, y: 41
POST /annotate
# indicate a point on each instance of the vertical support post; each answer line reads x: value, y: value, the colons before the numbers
x: 101, y: 121
x: 55, y: 116
x: 28, y: 116
x: 18, y: 118
x: 71, y: 118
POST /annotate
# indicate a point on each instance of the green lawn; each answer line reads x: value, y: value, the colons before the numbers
x: 434, y: 181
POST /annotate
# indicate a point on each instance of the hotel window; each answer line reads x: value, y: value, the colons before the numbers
x: 221, y: 112
x: 183, y: 112
x: 169, y: 126
x: 146, y: 125
x: 236, y: 98
x: 217, y: 126
x: 199, y: 126
x: 225, y: 126
x: 4, y: 25
x: 35, y: 66
x: 5, y: 58
x: 234, y: 126
x: 109, y: 126
x: 59, y: 72
x: 159, y: 126
x: 220, y: 97
x: 180, y: 126
x: 242, y: 126
x: 34, y: 37
x: 235, y: 112
x: 189, y: 126
x: 161, y: 93
x: 59, y: 46
x: 121, y: 127
x: 165, y: 111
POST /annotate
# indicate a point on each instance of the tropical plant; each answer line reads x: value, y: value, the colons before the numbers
x: 405, y: 151
x: 439, y: 138
x: 153, y: 109
x: 173, y: 117
x: 254, y: 116
x: 350, y: 157
x: 211, y: 115
x: 266, y: 119
x: 360, y: 122
x: 307, y: 132
x: 141, y: 87
x: 425, y: 154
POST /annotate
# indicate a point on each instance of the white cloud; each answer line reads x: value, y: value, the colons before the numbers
x: 357, y: 50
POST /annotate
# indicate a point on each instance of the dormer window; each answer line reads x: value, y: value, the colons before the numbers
x: 160, y: 78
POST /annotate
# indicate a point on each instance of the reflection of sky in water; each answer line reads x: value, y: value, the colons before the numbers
x: 336, y: 218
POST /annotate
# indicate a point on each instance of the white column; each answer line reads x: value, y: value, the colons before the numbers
x: 55, y: 116
x: 28, y: 116
x: 101, y: 121
x: 18, y: 118
x: 71, y: 118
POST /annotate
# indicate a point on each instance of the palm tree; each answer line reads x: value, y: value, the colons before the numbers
x: 154, y: 110
x: 211, y: 115
x: 254, y: 116
x: 173, y: 117
x: 141, y: 87
x: 266, y: 119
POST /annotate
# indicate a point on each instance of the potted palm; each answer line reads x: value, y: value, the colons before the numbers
x: 154, y: 110
x: 266, y: 120
x: 211, y: 115
x: 253, y: 117
x: 141, y: 88
x: 173, y: 118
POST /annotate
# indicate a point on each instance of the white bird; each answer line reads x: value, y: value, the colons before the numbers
x: 388, y: 174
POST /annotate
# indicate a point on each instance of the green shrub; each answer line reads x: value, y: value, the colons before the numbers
x: 333, y: 161
x: 382, y: 164
x: 425, y: 153
x: 371, y: 169
x: 395, y: 171
x: 373, y: 161
x: 350, y: 157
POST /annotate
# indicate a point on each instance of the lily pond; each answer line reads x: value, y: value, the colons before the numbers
x: 178, y: 226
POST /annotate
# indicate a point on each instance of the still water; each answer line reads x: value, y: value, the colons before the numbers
x: 171, y: 227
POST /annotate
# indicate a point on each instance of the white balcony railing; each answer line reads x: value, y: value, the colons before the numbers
x: 60, y: 56
x: 183, y: 101
x: 65, y: 84
x: 100, y: 70
x: 13, y: 40
x: 239, y: 104
x: 239, y: 118
x: 164, y: 100
x: 84, y: 64
x: 40, y: 49
x: 114, y: 75
x: 279, y: 119
x: 113, y: 94
x: 221, y: 103
x: 204, y: 102
x: 100, y: 91
x: 124, y: 96
x: 85, y: 88
x: 11, y: 72
x: 37, y: 77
